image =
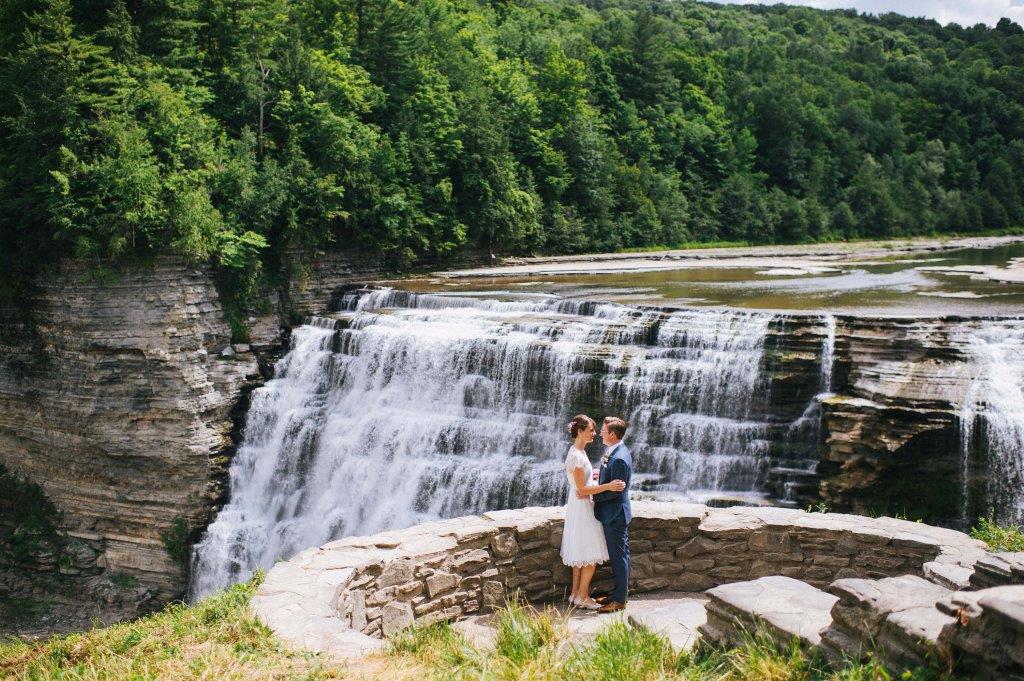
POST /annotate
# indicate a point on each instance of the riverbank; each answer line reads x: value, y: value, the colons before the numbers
x: 964, y: 277
x: 796, y: 255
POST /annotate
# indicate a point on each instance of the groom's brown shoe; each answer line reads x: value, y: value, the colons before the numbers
x: 612, y: 606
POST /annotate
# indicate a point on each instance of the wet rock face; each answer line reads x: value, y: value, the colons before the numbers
x: 905, y: 432
x: 120, y: 408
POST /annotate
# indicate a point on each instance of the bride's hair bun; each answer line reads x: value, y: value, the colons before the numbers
x: 578, y: 423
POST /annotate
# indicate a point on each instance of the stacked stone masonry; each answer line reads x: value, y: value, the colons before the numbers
x: 344, y: 596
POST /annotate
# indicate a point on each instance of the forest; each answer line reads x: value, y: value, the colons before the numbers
x: 227, y: 131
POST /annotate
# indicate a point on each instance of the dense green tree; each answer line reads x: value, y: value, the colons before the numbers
x: 229, y: 130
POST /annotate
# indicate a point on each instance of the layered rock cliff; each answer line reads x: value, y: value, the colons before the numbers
x: 899, y: 435
x: 119, y: 404
x: 120, y: 407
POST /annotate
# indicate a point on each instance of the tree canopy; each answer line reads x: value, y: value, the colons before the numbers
x: 227, y: 130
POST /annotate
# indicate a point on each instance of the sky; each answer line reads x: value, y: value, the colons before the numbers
x: 963, y: 12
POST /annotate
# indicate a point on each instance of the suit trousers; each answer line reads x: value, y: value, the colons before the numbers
x: 616, y: 534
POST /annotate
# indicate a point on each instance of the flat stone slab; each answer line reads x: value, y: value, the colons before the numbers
x: 949, y: 575
x: 585, y: 624
x: 782, y: 607
x: 998, y: 569
x: 986, y: 631
x: 478, y: 630
x: 895, y: 616
x: 676, y: 617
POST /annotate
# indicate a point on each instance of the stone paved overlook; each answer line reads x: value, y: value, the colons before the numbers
x: 762, y: 566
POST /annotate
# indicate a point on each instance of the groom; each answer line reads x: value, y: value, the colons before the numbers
x: 612, y: 509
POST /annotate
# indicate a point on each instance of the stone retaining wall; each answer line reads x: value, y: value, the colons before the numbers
x: 342, y: 597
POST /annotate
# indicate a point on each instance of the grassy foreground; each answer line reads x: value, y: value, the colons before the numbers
x: 214, y: 639
x: 218, y: 639
x: 533, y: 645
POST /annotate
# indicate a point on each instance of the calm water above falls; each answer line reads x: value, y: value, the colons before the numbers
x: 910, y: 284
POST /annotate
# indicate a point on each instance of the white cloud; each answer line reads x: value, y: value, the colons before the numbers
x: 964, y: 12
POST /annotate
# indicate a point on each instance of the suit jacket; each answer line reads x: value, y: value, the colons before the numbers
x: 608, y: 505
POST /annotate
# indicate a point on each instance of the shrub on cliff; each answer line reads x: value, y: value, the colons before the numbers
x: 998, y: 537
x: 28, y: 523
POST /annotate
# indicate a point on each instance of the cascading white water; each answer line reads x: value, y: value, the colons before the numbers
x: 993, y: 409
x: 810, y: 418
x: 828, y: 351
x: 798, y: 475
x: 415, y: 407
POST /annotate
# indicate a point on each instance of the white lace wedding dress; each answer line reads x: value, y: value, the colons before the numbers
x: 583, y: 537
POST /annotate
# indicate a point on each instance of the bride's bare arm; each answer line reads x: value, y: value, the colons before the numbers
x: 582, y: 489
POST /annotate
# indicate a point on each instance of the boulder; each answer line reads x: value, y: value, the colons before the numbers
x: 985, y: 634
x: 894, y: 617
x: 998, y: 569
x: 950, y: 575
x: 677, y: 617
x: 781, y: 607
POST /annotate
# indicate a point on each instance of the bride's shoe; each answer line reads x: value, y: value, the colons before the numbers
x: 573, y: 601
x: 589, y: 604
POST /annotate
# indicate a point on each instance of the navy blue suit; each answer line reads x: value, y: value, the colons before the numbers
x: 614, y: 512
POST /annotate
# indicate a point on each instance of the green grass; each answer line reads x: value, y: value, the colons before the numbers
x: 621, y: 652
x: 534, y: 645
x: 436, y: 646
x: 214, y: 639
x: 219, y: 639
x: 998, y: 538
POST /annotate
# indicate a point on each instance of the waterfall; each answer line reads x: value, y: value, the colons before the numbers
x: 992, y: 415
x: 828, y: 351
x: 796, y: 482
x: 408, y: 407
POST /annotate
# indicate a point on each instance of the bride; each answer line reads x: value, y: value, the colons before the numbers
x: 583, y: 543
